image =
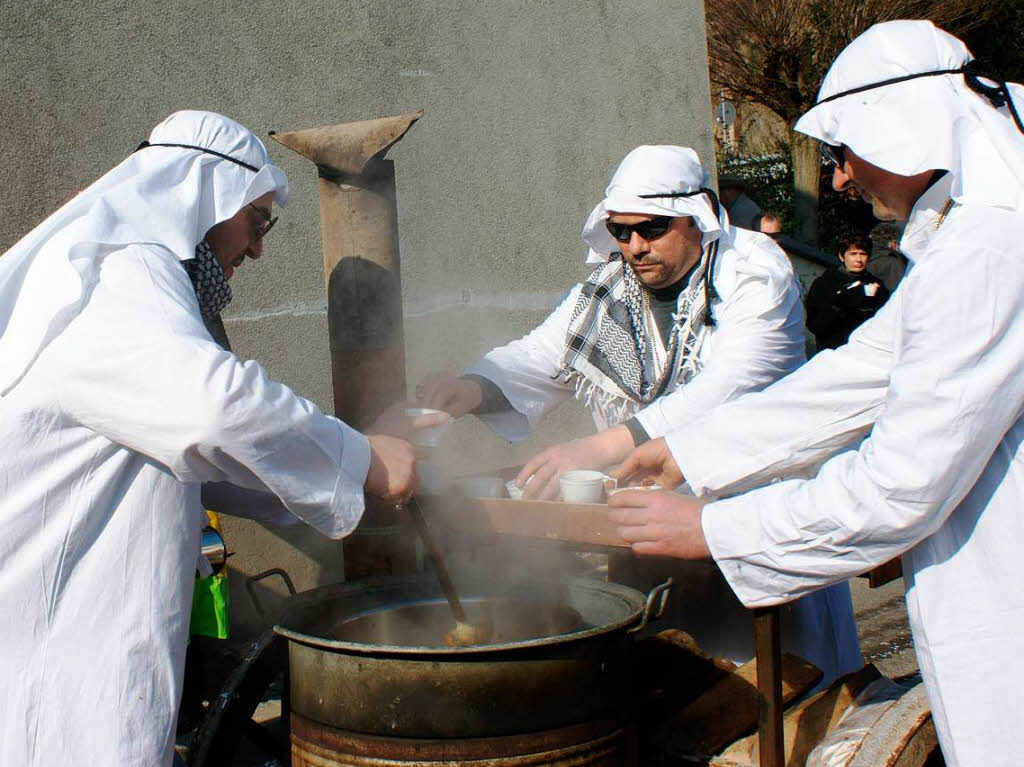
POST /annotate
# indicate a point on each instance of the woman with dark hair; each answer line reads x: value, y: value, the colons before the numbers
x: 841, y: 299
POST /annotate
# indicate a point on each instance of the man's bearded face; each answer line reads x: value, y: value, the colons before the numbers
x: 661, y: 261
x: 890, y: 195
x: 238, y: 237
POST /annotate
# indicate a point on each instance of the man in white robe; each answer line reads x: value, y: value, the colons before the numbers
x: 908, y: 440
x: 731, y: 322
x: 115, y: 405
x: 734, y: 324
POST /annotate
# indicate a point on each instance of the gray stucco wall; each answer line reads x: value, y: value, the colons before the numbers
x: 528, y: 108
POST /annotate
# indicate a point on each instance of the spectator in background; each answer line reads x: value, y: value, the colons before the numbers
x: 845, y: 296
x: 771, y: 224
x: 742, y: 210
x: 768, y: 223
x: 887, y: 263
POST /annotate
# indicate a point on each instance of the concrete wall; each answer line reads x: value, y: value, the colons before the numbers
x: 529, y: 106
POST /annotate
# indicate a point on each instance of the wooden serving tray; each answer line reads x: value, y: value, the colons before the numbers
x: 587, y: 524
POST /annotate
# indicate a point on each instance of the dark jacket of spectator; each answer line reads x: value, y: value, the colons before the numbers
x: 889, y: 268
x: 838, y: 302
x: 887, y: 263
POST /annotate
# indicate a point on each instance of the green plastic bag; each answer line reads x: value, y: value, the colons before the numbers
x: 211, y: 607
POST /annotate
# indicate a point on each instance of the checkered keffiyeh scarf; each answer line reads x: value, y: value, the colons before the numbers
x: 211, y: 286
x: 608, y: 360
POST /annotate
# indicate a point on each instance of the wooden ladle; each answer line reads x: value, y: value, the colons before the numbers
x: 465, y: 633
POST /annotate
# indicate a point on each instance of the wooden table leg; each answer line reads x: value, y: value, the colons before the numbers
x: 768, y: 648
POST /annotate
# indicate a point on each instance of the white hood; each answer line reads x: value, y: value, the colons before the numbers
x: 163, y: 196
x: 921, y: 123
x: 645, y: 173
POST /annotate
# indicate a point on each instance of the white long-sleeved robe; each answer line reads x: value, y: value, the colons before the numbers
x: 925, y: 408
x: 758, y: 339
x: 105, y: 444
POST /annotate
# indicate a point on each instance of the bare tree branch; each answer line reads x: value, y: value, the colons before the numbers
x: 776, y: 52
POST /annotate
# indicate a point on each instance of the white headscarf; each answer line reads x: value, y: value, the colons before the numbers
x: 645, y: 173
x: 932, y: 122
x: 163, y: 196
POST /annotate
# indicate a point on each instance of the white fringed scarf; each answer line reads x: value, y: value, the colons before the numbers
x: 608, y: 361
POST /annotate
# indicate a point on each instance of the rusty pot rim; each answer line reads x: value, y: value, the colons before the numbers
x: 639, y: 610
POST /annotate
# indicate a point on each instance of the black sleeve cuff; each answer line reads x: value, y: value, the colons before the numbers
x: 638, y: 432
x: 494, y: 400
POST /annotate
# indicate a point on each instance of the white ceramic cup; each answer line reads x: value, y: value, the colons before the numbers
x: 584, y: 486
x: 481, y: 487
x: 430, y: 436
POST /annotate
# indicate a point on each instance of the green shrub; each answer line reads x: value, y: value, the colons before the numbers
x: 769, y: 182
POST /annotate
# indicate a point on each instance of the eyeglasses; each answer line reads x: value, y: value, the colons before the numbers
x: 833, y: 154
x: 264, y: 226
x: 651, y: 229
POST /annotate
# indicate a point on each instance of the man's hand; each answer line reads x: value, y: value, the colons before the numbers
x: 447, y: 392
x: 393, y: 422
x: 594, y: 452
x: 392, y: 474
x: 652, y: 462
x: 660, y: 524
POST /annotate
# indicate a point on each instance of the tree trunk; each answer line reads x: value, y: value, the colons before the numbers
x: 806, y: 159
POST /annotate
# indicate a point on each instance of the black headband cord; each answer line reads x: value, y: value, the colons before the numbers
x: 973, y: 72
x: 673, y: 195
x: 215, y: 153
x: 709, y: 265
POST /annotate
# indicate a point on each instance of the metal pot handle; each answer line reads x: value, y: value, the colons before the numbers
x: 250, y: 584
x: 654, y: 606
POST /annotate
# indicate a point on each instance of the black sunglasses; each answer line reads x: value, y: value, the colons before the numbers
x: 833, y: 154
x: 651, y: 229
x: 264, y: 226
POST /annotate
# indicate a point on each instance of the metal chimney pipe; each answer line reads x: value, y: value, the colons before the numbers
x: 362, y: 280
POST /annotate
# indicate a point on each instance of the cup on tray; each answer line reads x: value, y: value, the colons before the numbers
x: 514, y: 492
x: 585, y: 486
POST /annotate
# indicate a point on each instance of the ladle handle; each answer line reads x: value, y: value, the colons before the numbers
x: 657, y: 598
x: 416, y: 514
x: 250, y: 586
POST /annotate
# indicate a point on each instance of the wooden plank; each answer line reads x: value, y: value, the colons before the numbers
x: 768, y: 647
x: 673, y: 672
x: 731, y: 708
x: 884, y: 574
x: 580, y: 523
x: 806, y: 723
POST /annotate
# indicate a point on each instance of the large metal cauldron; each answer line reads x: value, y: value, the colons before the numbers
x: 370, y: 657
